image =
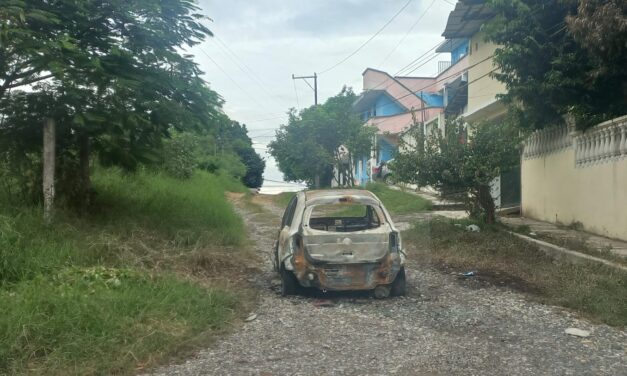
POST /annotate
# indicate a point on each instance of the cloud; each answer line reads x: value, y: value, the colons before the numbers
x: 274, y: 38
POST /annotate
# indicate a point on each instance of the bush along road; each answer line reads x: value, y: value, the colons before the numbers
x: 447, y: 324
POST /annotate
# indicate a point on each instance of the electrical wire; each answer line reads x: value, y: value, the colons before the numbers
x: 245, y: 69
x: 367, y: 41
x: 406, y: 34
x: 231, y: 79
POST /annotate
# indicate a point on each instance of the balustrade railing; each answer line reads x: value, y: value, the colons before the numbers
x: 602, y: 143
x: 546, y: 141
x: 599, y: 144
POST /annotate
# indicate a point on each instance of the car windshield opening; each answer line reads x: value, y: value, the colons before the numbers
x: 344, y: 217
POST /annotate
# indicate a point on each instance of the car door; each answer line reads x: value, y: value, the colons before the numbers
x: 284, y: 231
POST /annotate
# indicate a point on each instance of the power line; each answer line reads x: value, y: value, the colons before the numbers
x: 369, y: 39
x: 406, y: 34
x: 244, y: 68
x: 272, y: 118
x: 411, y: 63
x: 231, y: 78
x: 440, y: 80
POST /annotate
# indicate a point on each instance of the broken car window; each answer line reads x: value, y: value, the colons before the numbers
x: 344, y: 218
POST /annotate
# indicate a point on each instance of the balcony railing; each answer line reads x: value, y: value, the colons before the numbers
x: 443, y: 65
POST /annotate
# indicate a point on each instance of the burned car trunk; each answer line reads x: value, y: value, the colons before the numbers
x: 340, y: 240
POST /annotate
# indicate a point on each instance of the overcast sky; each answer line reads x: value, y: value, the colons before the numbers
x: 269, y: 40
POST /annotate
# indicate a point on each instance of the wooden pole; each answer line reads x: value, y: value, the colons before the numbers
x: 49, y: 155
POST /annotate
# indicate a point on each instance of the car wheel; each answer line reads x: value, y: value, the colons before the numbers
x: 289, y: 284
x: 389, y: 179
x: 399, y: 286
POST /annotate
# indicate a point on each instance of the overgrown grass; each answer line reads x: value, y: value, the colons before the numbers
x: 126, y: 285
x: 398, y: 202
x: 593, y: 290
x: 82, y: 323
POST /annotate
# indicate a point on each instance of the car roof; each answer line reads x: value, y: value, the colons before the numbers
x: 356, y: 194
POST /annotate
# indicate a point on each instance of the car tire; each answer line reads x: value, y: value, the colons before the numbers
x: 389, y: 179
x: 289, y: 283
x: 399, y: 286
x: 275, y: 259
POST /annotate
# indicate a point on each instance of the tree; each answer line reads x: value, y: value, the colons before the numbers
x: 111, y: 74
x: 547, y: 71
x: 450, y: 163
x: 307, y: 148
x: 224, y: 149
x: 600, y: 27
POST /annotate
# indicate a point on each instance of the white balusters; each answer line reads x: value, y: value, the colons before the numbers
x: 600, y: 144
x: 623, y: 141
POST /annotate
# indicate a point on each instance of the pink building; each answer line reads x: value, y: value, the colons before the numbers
x: 395, y: 104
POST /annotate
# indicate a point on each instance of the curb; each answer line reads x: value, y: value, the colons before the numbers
x: 557, y: 251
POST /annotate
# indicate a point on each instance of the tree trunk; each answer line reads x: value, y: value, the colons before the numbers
x: 49, y: 159
x: 487, y: 203
x: 84, y: 177
x: 351, y: 176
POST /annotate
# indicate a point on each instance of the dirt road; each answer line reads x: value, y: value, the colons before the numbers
x: 444, y: 326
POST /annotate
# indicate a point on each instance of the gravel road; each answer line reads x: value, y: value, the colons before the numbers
x: 444, y: 326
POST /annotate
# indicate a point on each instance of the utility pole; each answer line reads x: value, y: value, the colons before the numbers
x: 314, y: 87
x: 49, y: 158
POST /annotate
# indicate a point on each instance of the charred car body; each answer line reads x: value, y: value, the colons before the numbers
x: 339, y: 240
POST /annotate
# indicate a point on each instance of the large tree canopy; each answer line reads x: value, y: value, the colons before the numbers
x: 549, y: 68
x: 307, y: 148
x: 112, y: 75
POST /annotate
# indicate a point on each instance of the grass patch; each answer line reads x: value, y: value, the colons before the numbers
x: 103, y: 321
x: 133, y: 282
x: 283, y: 199
x: 398, y: 202
x: 593, y: 290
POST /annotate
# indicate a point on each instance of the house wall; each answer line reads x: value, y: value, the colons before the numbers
x: 385, y: 106
x: 459, y: 52
x: 450, y: 74
x: 416, y: 83
x: 483, y: 91
x: 576, y: 182
x: 386, y: 150
x: 376, y: 80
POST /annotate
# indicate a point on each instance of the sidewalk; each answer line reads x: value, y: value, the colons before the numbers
x: 568, y: 237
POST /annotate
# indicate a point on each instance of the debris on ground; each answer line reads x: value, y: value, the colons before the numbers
x: 469, y: 274
x: 577, y: 332
x: 251, y: 317
x: 323, y: 303
x: 473, y: 228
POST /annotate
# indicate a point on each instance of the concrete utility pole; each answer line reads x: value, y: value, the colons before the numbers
x: 49, y: 167
x: 314, y: 87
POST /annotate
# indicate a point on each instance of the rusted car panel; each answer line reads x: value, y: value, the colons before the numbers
x: 338, y: 253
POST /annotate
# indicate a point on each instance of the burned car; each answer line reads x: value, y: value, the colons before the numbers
x: 339, y: 240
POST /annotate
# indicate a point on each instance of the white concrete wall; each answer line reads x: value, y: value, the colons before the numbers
x: 556, y: 188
